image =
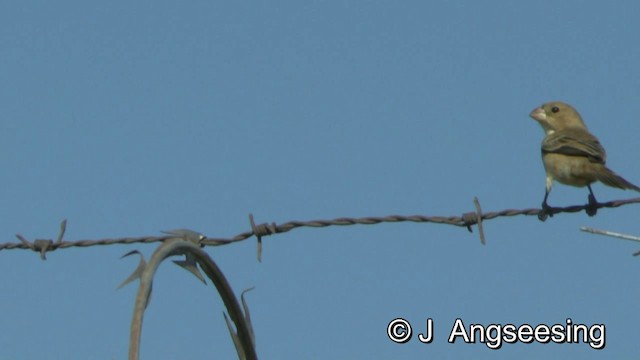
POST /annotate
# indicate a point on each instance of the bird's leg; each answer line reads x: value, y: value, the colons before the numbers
x: 546, y: 210
x: 592, y: 207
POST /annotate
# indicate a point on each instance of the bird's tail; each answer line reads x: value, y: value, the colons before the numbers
x: 608, y: 177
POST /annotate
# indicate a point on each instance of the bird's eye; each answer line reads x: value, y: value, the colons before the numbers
x: 555, y: 109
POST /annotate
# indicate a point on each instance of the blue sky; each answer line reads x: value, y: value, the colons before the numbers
x: 131, y: 118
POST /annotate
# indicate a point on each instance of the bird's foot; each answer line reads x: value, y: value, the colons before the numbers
x: 592, y: 207
x: 545, y: 212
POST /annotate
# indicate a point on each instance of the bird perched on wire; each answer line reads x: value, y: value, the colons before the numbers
x: 572, y: 155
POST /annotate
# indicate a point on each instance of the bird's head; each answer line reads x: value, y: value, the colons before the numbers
x: 555, y: 115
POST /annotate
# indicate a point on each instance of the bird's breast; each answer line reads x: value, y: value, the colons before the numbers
x: 569, y: 170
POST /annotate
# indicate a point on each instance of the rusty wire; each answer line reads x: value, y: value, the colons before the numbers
x: 466, y: 220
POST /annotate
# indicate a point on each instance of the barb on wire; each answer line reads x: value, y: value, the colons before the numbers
x: 261, y: 230
x: 63, y: 229
x: 42, y: 245
x: 472, y: 218
x: 476, y: 202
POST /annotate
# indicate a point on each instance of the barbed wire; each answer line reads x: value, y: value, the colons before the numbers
x: 467, y: 220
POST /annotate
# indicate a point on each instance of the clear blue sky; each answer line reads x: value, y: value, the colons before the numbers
x: 128, y: 118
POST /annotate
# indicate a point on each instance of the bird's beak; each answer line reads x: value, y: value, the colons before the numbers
x: 538, y: 114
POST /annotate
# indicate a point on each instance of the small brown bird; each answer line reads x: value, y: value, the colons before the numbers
x: 572, y: 155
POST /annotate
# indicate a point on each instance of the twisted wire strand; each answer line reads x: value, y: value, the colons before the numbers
x: 466, y: 220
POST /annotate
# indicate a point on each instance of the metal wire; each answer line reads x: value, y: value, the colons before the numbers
x: 466, y: 220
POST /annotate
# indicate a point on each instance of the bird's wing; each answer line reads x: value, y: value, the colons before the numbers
x: 575, y: 142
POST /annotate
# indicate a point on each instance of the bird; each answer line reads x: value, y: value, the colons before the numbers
x: 571, y: 155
